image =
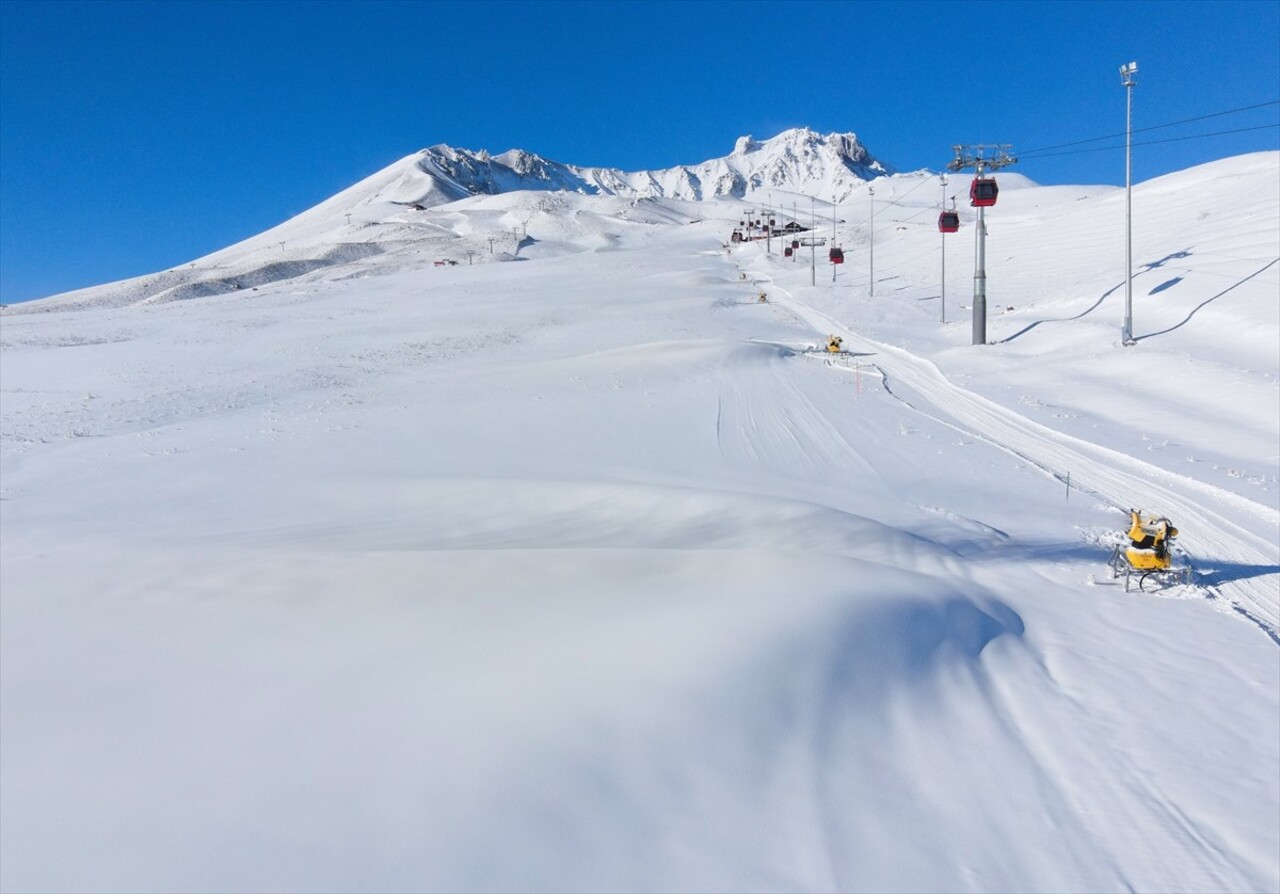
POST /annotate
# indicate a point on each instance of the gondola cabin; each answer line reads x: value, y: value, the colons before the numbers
x: 983, y: 192
x: 837, y: 256
x: 948, y: 222
x: 788, y: 251
x: 795, y: 243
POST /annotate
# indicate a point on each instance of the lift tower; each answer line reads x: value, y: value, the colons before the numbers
x: 982, y: 194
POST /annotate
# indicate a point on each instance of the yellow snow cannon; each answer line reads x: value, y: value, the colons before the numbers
x: 1148, y: 553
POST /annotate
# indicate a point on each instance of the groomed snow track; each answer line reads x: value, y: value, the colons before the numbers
x: 1241, y: 566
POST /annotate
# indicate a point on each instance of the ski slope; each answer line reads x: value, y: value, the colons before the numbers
x: 1229, y: 527
x: 576, y: 568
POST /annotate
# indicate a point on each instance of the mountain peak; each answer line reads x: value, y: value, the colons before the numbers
x: 806, y: 142
x: 798, y: 160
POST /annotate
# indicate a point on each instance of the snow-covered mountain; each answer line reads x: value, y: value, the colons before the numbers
x: 799, y: 160
x: 413, y: 206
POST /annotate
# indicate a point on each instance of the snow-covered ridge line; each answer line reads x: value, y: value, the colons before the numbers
x: 829, y: 166
x: 383, y: 212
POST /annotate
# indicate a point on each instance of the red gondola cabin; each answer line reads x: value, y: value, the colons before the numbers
x: 948, y: 222
x: 837, y: 256
x: 983, y: 192
x: 787, y: 252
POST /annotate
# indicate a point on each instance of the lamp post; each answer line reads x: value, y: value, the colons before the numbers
x: 1127, y: 80
x: 871, y: 190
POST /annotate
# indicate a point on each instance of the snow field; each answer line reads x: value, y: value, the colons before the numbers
x: 578, y: 573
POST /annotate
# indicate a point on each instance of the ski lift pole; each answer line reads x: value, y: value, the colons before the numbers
x: 833, y: 241
x: 980, y: 280
x: 942, y: 317
x: 974, y: 157
x: 813, y: 255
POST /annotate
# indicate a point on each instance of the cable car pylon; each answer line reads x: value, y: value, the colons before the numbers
x: 982, y: 195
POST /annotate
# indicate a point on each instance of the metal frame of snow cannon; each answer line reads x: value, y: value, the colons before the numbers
x: 1165, y: 577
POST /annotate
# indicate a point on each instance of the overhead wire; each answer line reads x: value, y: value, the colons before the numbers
x: 1197, y: 136
x: 1260, y: 105
x: 1043, y: 151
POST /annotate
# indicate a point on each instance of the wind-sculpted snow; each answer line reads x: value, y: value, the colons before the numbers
x: 574, y: 565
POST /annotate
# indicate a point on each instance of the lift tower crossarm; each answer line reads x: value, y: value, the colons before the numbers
x: 976, y: 157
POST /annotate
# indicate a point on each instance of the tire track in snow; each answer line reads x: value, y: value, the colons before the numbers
x: 1206, y: 512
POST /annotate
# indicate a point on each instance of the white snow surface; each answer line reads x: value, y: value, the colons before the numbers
x: 569, y: 566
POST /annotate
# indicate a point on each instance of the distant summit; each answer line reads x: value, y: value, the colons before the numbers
x: 380, y: 215
x: 800, y: 160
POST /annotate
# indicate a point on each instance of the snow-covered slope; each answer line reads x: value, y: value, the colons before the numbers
x: 389, y: 210
x: 579, y: 572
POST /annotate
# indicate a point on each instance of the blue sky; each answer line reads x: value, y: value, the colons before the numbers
x: 136, y: 136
